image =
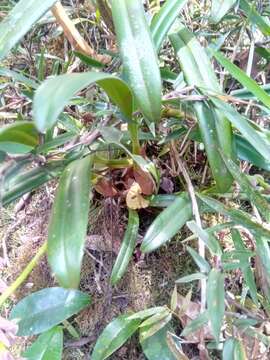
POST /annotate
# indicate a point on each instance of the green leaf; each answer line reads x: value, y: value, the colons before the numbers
x: 18, y: 77
x: 47, y: 108
x: 148, y: 331
x: 214, y: 127
x: 88, y: 60
x: 199, y: 260
x: 195, y: 324
x: 192, y: 277
x: 48, y: 346
x: 156, y: 318
x: 18, y: 138
x: 68, y: 223
x: 127, y: 247
x: 167, y: 223
x: 114, y: 336
x: 245, y: 151
x: 220, y: 8
x: 249, y: 10
x: 42, y: 310
x: 254, y: 195
x: 246, y: 94
x: 155, y: 347
x: 238, y: 216
x: 233, y: 350
x: 209, y: 239
x: 245, y: 80
x: 215, y: 297
x: 263, y: 252
x: 19, y: 21
x: 138, y: 56
x: 164, y: 19
x: 143, y: 314
x: 247, y: 272
x: 28, y: 180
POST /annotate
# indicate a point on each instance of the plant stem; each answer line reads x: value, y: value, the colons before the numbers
x: 133, y: 128
x: 24, y: 274
x: 71, y: 329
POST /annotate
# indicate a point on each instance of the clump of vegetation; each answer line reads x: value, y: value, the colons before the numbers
x: 155, y: 128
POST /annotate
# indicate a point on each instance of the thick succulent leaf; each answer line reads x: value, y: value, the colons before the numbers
x: 155, y: 347
x: 242, y: 77
x: 13, y: 187
x: 167, y: 223
x: 46, y: 308
x: 18, y: 138
x: 220, y: 8
x: 114, y: 336
x: 68, y: 223
x: 127, y: 247
x: 48, y: 346
x: 19, y: 21
x: 214, y: 127
x: 252, y: 14
x: 254, y: 195
x: 47, y: 108
x: 247, y: 272
x: 138, y: 56
x: 164, y: 19
x: 237, y: 216
x: 215, y: 297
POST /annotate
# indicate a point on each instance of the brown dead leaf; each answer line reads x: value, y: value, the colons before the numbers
x: 134, y: 198
x: 105, y: 187
x: 145, y: 180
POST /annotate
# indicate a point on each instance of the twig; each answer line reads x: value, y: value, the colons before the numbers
x: 73, y: 35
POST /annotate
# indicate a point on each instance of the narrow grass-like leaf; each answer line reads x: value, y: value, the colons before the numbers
x: 192, y: 277
x: 164, y: 19
x: 245, y: 151
x: 233, y: 350
x: 199, y: 260
x: 18, y: 77
x: 246, y: 94
x: 48, y: 346
x: 196, y: 324
x: 138, y: 56
x: 18, y: 138
x: 19, y: 21
x: 68, y: 223
x: 46, y: 308
x: 214, y: 127
x: 47, y: 108
x: 242, y: 124
x: 143, y: 314
x: 167, y: 223
x: 220, y: 8
x: 247, y: 272
x: 209, y: 239
x: 254, y: 195
x: 237, y: 216
x: 252, y: 14
x: 215, y: 297
x: 242, y: 77
x: 263, y: 252
x: 114, y: 336
x: 127, y: 247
